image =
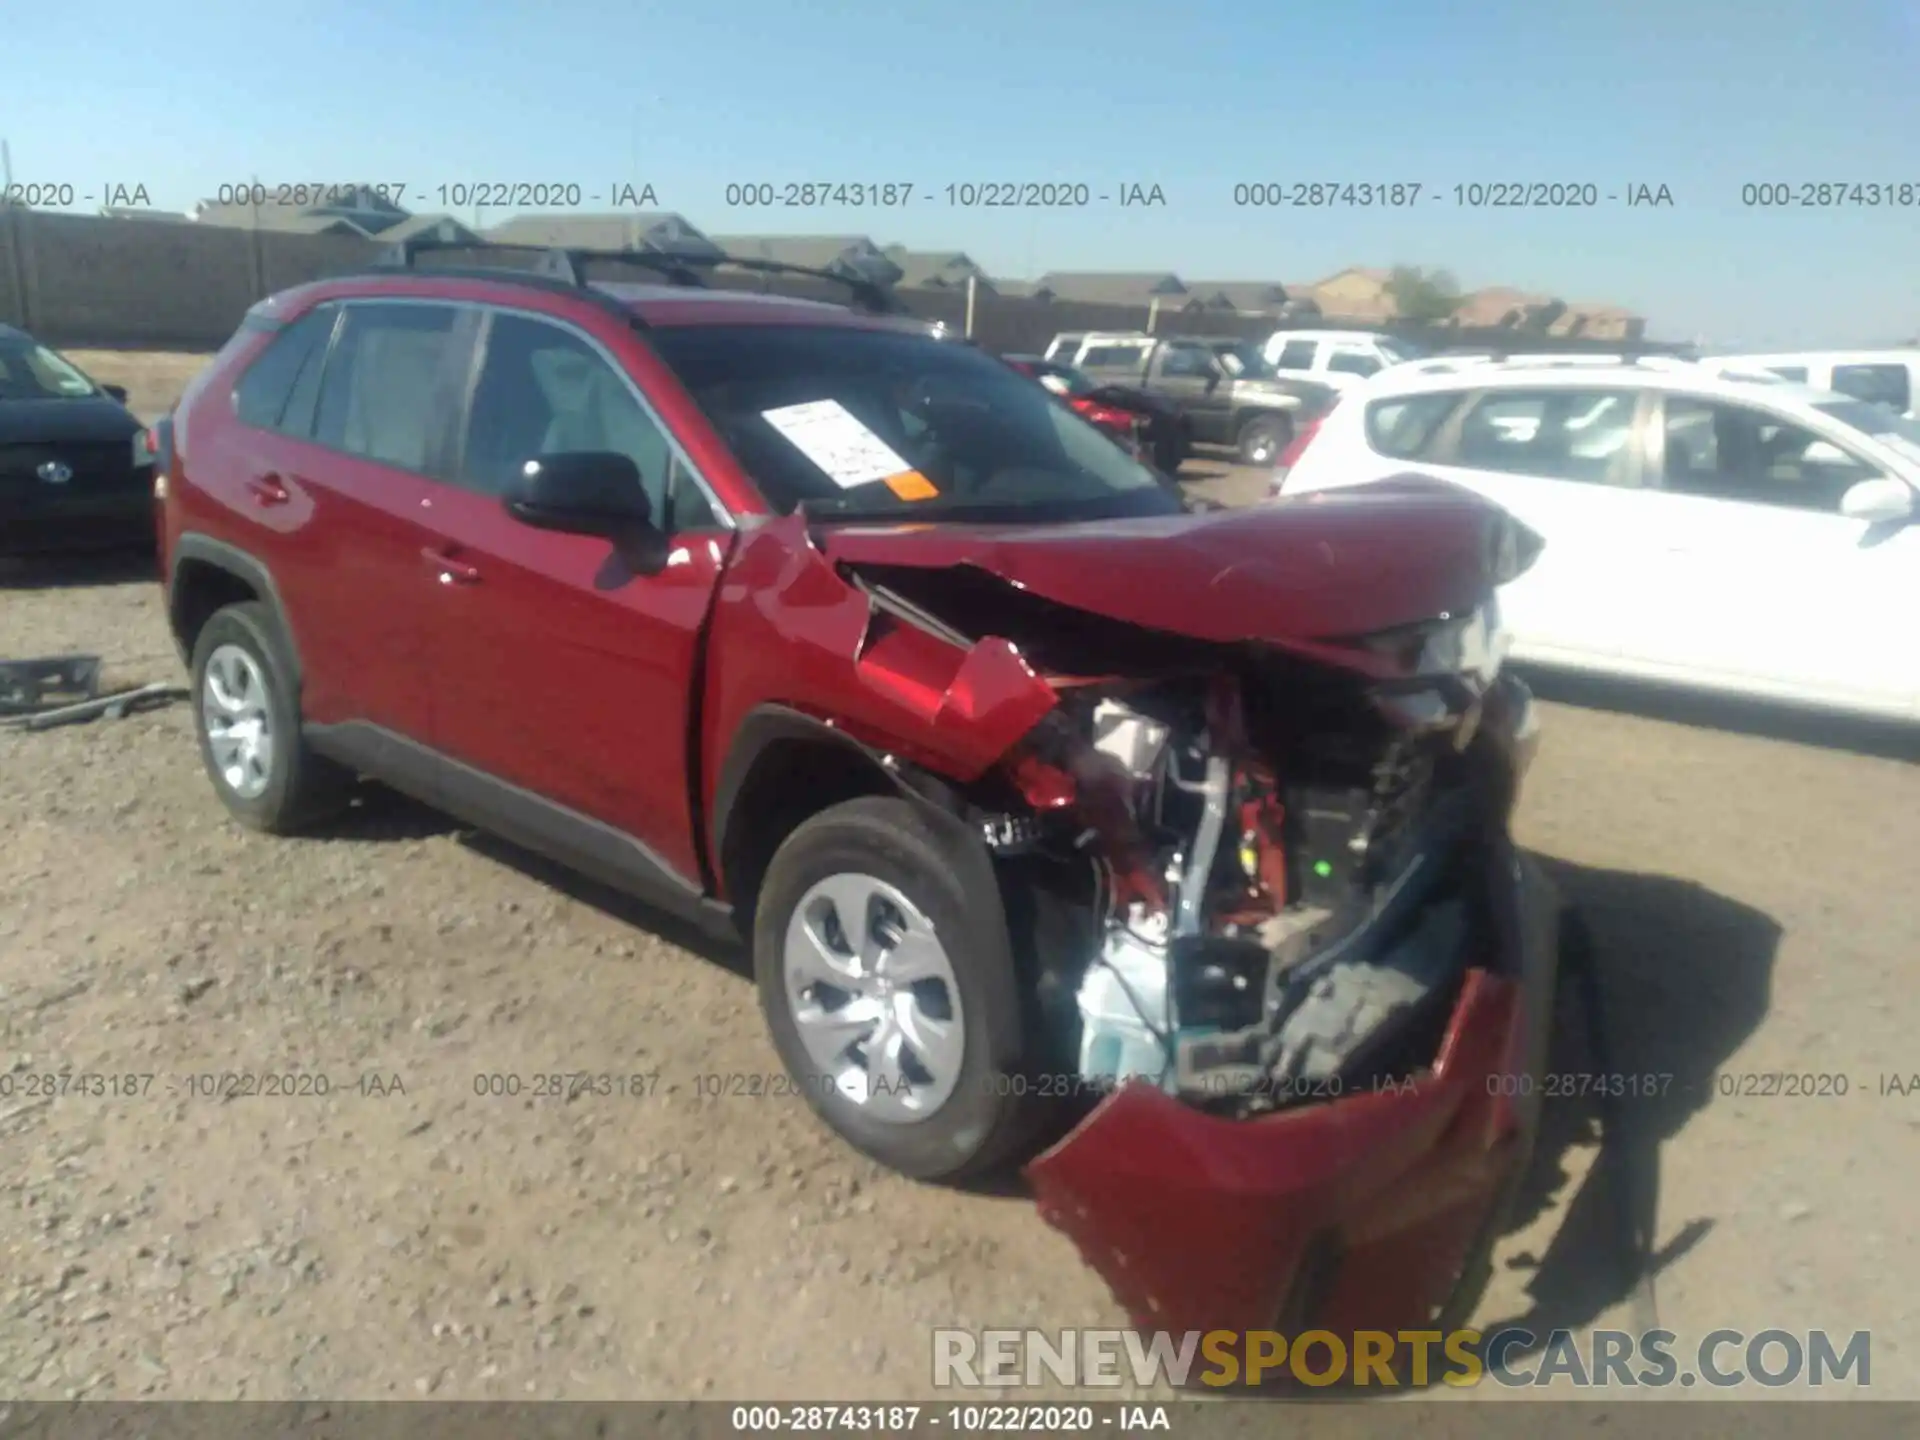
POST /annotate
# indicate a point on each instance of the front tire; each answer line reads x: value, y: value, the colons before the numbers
x: 247, y: 719
x: 1262, y: 439
x: 888, y: 982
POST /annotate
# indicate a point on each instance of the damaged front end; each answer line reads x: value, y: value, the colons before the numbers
x: 1295, y: 949
x: 1263, y: 876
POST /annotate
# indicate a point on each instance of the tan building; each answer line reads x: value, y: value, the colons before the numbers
x: 1356, y: 293
x: 1600, y: 322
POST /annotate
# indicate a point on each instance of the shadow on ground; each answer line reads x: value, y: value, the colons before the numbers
x: 1887, y: 740
x: 118, y: 565
x: 1681, y: 977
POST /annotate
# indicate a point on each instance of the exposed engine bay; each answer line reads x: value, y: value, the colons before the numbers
x: 1268, y: 859
x: 1277, y: 871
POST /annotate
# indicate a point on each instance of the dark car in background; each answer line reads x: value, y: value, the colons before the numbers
x: 1150, y: 426
x: 75, y: 469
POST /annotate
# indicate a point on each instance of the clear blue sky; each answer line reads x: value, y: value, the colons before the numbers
x: 1698, y: 95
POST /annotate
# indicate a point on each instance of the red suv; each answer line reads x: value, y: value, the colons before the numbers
x: 1042, y: 801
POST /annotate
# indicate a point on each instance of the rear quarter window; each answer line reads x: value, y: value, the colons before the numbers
x: 260, y: 399
x: 1404, y: 427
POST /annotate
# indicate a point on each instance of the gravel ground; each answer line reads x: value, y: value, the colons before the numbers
x: 1748, y: 882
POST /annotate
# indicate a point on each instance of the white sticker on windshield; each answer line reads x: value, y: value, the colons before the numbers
x: 827, y: 433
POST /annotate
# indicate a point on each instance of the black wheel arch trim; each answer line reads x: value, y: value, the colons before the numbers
x: 242, y: 566
x: 771, y: 724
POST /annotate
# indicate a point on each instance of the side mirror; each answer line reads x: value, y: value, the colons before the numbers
x: 589, y: 492
x: 115, y: 392
x: 1881, y: 501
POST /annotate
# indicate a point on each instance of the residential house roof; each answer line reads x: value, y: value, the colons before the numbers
x: 1364, y: 272
x: 1112, y: 287
x: 1601, y: 321
x: 363, y: 209
x: 851, y: 254
x: 1498, y: 307
x: 1248, y: 297
x: 282, y: 218
x: 142, y: 212
x: 624, y: 230
x: 445, y: 228
x: 936, y: 269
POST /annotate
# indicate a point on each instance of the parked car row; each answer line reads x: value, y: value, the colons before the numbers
x: 1223, y: 388
x: 1148, y: 426
x: 1067, y: 827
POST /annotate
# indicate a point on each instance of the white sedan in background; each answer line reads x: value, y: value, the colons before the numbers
x: 1702, y: 529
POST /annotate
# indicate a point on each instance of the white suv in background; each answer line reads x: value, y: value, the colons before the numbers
x: 1337, y: 358
x: 1886, y: 377
x: 1755, y: 537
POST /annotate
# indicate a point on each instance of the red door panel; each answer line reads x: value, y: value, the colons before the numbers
x: 557, y: 670
x: 345, y: 559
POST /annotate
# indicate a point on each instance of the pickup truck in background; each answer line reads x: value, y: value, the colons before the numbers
x: 1223, y: 387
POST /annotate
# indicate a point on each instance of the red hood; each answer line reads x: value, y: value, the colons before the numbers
x: 1328, y: 564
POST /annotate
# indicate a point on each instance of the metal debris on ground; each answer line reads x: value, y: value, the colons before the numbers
x: 65, y: 689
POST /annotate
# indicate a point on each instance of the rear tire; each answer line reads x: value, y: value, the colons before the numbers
x: 882, y: 861
x: 1262, y: 439
x: 246, y: 714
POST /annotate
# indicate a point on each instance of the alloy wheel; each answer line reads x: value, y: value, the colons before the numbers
x: 238, y: 722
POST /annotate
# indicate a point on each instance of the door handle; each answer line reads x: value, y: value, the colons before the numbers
x: 268, y: 489
x: 452, y: 571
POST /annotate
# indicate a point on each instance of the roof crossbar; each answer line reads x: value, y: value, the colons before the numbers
x: 567, y: 264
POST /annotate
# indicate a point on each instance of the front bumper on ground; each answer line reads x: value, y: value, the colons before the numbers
x: 1358, y: 1213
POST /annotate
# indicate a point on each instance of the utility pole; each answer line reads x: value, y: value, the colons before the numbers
x: 16, y: 237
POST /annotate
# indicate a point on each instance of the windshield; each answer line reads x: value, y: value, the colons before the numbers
x: 1872, y: 419
x: 33, y: 372
x: 1244, y: 362
x: 894, y: 425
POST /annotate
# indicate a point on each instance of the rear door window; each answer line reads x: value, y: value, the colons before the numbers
x: 1296, y: 355
x: 1888, y: 385
x: 388, y: 394
x: 1349, y: 361
x: 1404, y: 428
x: 1580, y: 435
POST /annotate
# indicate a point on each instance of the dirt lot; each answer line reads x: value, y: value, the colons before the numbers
x: 1749, y: 883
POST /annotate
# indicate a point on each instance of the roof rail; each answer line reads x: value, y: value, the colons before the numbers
x: 564, y: 263
x: 567, y: 264
x: 1445, y: 364
x: 872, y: 294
